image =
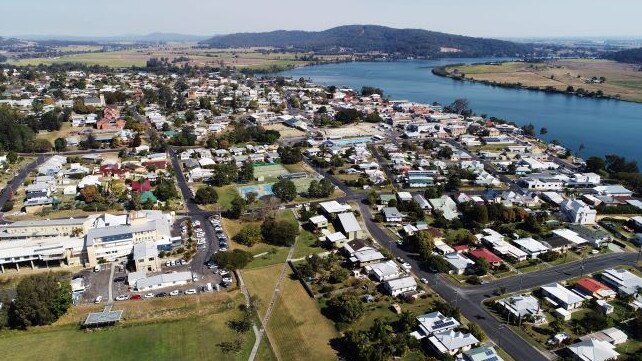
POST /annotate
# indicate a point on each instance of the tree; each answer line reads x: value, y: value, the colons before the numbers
x: 320, y: 189
x: 279, y: 233
x: 246, y: 173
x: 206, y: 195
x: 249, y: 235
x: 543, y: 131
x: 373, y: 117
x: 40, y: 300
x: 346, y: 307
x: 476, y: 331
x: 225, y: 173
x: 12, y: 157
x: 367, y: 91
x: 90, y: 194
x: 290, y: 155
x: 238, y: 206
x: 481, y: 267
x: 166, y: 190
x: 285, y: 189
x: 60, y: 144
x: 557, y: 325
x: 347, y: 115
x: 235, y: 259
x: 459, y: 106
x: 595, y: 164
x: 445, y: 152
x: 137, y: 141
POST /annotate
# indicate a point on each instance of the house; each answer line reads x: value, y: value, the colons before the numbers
x: 336, y: 239
x: 422, y: 202
x: 596, y: 237
x: 392, y: 215
x: 594, y: 288
x: 350, y: 226
x: 483, y: 353
x: 458, y: 263
x: 366, y: 256
x: 398, y: 286
x: 612, y: 335
x: 625, y: 282
x: 144, y: 186
x: 404, y: 196
x: 558, y: 244
x: 561, y: 296
x: 490, y: 257
x: 613, y: 190
x: 577, y: 211
x: 446, y: 206
x: 318, y: 222
x: 383, y: 271
x: 434, y: 322
x: 452, y: 342
x: 531, y: 246
x: 593, y: 350
x: 525, y: 306
x: 333, y: 207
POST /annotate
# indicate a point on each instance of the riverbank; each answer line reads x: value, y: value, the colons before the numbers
x: 592, y: 78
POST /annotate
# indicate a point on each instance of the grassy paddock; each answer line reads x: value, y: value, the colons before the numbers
x: 183, y: 328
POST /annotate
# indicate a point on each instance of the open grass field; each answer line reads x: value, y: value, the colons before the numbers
x: 65, y: 131
x: 183, y: 328
x: 225, y: 196
x: 306, y: 245
x: 623, y: 81
x: 239, y: 58
x: 297, y: 327
x: 260, y: 282
x: 269, y: 171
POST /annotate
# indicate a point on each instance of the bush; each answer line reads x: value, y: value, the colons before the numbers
x: 279, y: 233
x: 249, y: 235
x: 235, y: 259
x: 206, y: 195
x: 40, y: 300
x: 7, y: 206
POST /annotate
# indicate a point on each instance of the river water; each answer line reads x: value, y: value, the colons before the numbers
x: 602, y: 126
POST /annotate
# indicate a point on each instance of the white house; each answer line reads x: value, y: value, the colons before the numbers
x: 593, y: 350
x: 531, y: 246
x: 392, y: 214
x: 452, y: 342
x: 577, y: 211
x: 458, y: 263
x: 434, y: 322
x: 561, y: 296
x: 624, y: 281
x: 398, y: 286
x: 383, y: 271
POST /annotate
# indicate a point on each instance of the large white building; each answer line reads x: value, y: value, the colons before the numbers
x: 577, y: 211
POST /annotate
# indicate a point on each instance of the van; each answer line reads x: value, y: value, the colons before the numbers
x: 98, y: 299
x: 97, y: 268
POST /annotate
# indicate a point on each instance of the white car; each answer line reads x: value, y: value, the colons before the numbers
x: 168, y: 263
x: 149, y: 295
x: 175, y: 293
x: 191, y: 291
x: 200, y: 242
x: 424, y: 281
x: 406, y: 266
x: 122, y: 298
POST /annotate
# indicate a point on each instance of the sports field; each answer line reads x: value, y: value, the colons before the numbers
x: 269, y: 171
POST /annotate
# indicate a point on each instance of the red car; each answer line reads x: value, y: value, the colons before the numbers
x: 135, y: 297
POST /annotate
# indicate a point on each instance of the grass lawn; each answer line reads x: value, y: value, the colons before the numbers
x: 65, y: 130
x: 297, y: 327
x: 306, y: 245
x: 179, y: 329
x: 276, y: 255
x: 260, y: 282
x: 225, y: 195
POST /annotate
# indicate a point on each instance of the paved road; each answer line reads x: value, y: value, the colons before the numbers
x: 195, y: 213
x: 18, y: 180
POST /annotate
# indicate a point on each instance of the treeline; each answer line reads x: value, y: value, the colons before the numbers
x: 17, y: 136
x: 632, y: 56
x: 618, y: 168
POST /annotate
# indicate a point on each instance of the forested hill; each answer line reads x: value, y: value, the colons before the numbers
x: 632, y: 56
x: 367, y: 38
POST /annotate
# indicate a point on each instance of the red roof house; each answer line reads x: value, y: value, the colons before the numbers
x: 107, y: 170
x: 461, y: 248
x: 595, y: 288
x: 489, y: 256
x: 141, y: 187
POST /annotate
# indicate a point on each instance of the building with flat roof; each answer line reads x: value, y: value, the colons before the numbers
x: 483, y: 353
x: 531, y: 246
x: 146, y: 256
x: 398, y: 286
x: 383, y: 271
x: 163, y: 280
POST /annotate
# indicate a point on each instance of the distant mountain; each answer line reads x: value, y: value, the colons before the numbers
x: 632, y: 56
x: 152, y: 37
x: 365, y: 38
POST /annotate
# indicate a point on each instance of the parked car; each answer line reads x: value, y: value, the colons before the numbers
x: 161, y: 294
x: 406, y: 266
x: 121, y: 298
x: 175, y: 293
x: 149, y: 295
x: 136, y: 297
x: 98, y: 299
x: 424, y: 281
x: 191, y: 291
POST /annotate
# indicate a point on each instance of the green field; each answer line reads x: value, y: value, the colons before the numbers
x: 194, y: 337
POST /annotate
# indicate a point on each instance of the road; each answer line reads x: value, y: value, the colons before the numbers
x: 195, y: 213
x: 18, y: 180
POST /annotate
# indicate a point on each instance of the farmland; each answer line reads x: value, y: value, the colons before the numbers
x: 188, y: 53
x: 613, y: 79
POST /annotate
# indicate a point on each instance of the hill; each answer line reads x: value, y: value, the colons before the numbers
x: 632, y: 56
x: 366, y: 38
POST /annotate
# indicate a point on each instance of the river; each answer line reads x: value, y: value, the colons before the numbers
x: 602, y: 126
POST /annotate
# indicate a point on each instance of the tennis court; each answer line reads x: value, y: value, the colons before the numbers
x: 269, y: 170
x: 261, y: 190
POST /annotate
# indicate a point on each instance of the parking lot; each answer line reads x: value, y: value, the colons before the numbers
x: 98, y: 281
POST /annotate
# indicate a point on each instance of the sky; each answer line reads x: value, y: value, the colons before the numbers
x: 486, y: 18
